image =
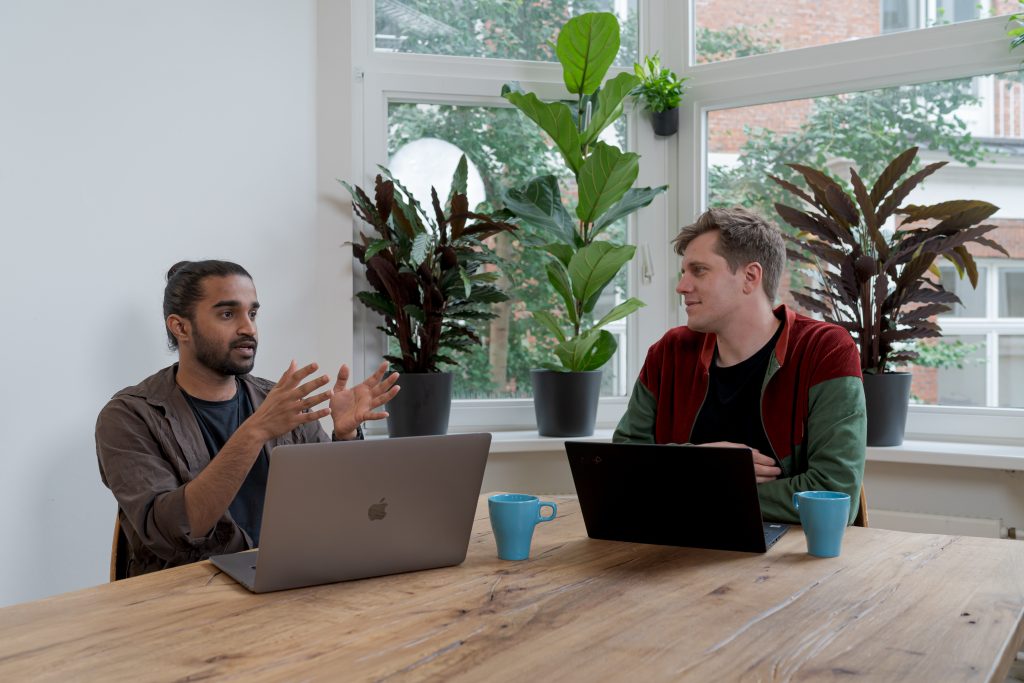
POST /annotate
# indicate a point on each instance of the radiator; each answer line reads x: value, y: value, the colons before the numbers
x: 936, y: 524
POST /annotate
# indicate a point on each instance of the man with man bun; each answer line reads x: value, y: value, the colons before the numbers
x: 186, y: 451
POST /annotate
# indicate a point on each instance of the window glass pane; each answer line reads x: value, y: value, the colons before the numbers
x: 972, y: 300
x: 504, y: 149
x: 1011, y: 292
x: 961, y: 379
x: 726, y: 29
x: 865, y: 130
x: 1011, y: 371
x: 503, y: 29
x: 950, y: 371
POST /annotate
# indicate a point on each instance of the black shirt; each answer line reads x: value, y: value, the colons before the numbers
x: 732, y: 408
x: 218, y: 420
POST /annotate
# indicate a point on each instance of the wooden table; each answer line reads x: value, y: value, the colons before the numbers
x: 894, y: 606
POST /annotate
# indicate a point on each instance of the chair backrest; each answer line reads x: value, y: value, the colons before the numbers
x: 862, y: 512
x: 118, y: 553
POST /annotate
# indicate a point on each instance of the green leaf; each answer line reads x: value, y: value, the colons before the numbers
x: 605, y: 177
x: 555, y: 119
x: 420, y: 247
x: 466, y: 281
x: 550, y: 323
x: 621, y: 311
x: 594, y: 266
x: 375, y: 248
x: 609, y: 105
x: 414, y: 312
x: 562, y: 252
x: 601, y: 352
x: 558, y: 276
x: 586, y: 352
x: 539, y: 203
x: 378, y: 303
x: 634, y: 199
x: 459, y: 180
x: 587, y: 46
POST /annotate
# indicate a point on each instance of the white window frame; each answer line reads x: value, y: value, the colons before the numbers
x: 953, y: 51
x: 991, y: 326
x: 383, y: 77
x: 962, y: 50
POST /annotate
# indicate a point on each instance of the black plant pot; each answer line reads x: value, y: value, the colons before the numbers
x: 887, y: 396
x: 665, y: 122
x: 565, y: 402
x: 423, y: 405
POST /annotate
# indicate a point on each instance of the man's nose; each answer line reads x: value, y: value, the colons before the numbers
x: 247, y: 327
x: 683, y: 286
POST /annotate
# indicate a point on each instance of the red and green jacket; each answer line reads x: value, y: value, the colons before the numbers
x: 812, y: 406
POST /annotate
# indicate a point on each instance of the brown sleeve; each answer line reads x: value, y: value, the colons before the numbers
x: 148, y: 477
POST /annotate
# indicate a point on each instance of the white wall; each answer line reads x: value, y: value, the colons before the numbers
x: 134, y: 134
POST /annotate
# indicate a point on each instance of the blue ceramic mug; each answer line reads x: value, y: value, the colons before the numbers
x: 513, y: 517
x: 823, y: 515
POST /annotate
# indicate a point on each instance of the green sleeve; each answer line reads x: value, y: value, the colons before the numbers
x: 637, y: 425
x: 833, y: 456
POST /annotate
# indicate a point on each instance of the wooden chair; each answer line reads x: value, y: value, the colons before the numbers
x: 862, y: 512
x: 118, y: 553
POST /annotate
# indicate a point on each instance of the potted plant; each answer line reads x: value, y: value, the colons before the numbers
x: 432, y: 277
x: 582, y: 264
x: 661, y: 91
x: 880, y: 282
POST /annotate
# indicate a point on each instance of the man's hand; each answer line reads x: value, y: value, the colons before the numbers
x: 352, y: 407
x: 764, y: 465
x: 285, y: 406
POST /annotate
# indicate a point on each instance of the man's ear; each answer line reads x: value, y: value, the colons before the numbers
x: 752, y: 274
x: 180, y: 327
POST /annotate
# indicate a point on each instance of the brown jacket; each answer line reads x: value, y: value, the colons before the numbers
x: 149, y: 446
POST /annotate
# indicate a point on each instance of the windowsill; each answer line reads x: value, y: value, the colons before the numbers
x: 951, y: 454
x: 981, y: 456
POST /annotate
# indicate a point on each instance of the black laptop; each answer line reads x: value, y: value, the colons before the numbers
x: 693, y: 496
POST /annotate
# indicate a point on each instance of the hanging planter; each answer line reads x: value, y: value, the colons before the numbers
x: 665, y: 122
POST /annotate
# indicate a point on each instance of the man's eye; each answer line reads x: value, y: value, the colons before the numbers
x: 226, y: 315
x: 252, y: 315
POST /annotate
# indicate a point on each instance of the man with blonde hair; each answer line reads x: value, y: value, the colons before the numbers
x: 744, y: 373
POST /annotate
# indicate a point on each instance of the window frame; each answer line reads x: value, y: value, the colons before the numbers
x: 973, y: 48
x: 384, y: 77
x: 961, y: 50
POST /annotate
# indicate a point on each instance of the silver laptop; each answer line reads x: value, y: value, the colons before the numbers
x: 354, y: 509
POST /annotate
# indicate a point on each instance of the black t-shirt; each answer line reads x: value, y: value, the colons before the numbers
x: 218, y: 420
x: 732, y: 408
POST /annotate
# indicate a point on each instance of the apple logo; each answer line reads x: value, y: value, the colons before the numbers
x: 378, y: 510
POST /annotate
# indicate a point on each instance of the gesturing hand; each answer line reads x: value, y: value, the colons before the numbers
x: 351, y: 407
x: 765, y: 468
x: 284, y: 407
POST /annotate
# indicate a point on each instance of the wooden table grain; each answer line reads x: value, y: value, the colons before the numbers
x: 893, y: 607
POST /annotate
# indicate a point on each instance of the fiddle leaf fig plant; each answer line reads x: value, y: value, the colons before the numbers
x: 880, y: 282
x: 432, y: 274
x: 581, y: 264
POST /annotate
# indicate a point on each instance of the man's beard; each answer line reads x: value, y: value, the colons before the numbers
x: 209, y: 355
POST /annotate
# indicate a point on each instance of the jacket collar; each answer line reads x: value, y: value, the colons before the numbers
x: 782, y: 312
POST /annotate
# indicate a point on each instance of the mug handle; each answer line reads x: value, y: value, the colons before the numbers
x: 554, y: 511
x: 796, y: 501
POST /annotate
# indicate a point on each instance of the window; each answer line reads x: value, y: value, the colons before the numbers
x: 980, y: 359
x: 431, y: 76
x: 499, y: 29
x: 727, y: 29
x: 504, y: 150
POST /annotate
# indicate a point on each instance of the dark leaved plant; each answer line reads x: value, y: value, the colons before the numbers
x: 879, y: 282
x: 432, y: 274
